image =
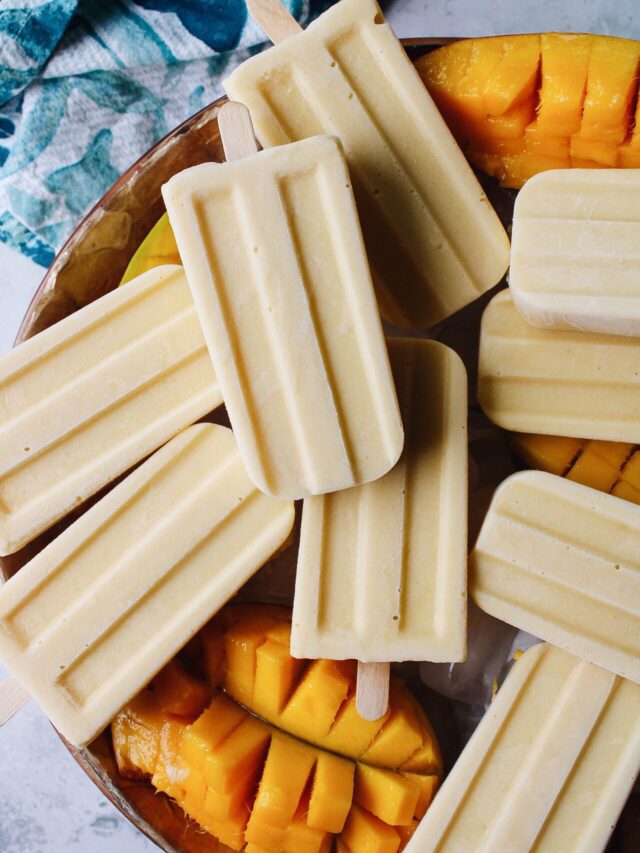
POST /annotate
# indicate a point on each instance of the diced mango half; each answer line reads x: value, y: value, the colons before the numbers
x: 526, y: 104
x: 318, y: 697
x: 257, y: 788
x: 608, y: 466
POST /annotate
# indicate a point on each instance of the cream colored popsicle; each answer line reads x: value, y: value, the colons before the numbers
x: 575, y: 250
x: 382, y: 567
x: 434, y: 241
x: 83, y: 401
x: 548, y: 769
x: 562, y: 561
x: 557, y: 382
x: 274, y: 256
x: 92, y: 618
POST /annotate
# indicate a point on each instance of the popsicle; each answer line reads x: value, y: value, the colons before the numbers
x: 549, y: 767
x: 575, y: 261
x: 434, y: 241
x: 274, y: 256
x: 557, y: 382
x: 83, y: 401
x: 97, y: 613
x: 561, y: 560
x: 381, y: 570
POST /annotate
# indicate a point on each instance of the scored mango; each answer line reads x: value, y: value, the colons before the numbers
x: 609, y: 466
x: 158, y: 247
x: 568, y: 100
x: 249, y: 781
x: 319, y: 696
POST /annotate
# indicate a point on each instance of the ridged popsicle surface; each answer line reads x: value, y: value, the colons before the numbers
x: 562, y: 561
x: 549, y: 767
x: 92, y: 618
x: 86, y: 399
x: 382, y: 567
x: 557, y: 382
x: 275, y: 260
x: 575, y: 250
x: 434, y: 241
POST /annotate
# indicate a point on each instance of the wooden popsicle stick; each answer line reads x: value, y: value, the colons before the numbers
x: 236, y: 131
x: 12, y: 697
x: 372, y: 690
x: 277, y: 22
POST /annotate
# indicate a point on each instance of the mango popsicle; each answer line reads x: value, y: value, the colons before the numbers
x: 575, y: 261
x: 434, y: 242
x: 86, y: 399
x: 549, y: 767
x: 557, y: 382
x: 97, y: 613
x: 382, y: 567
x: 275, y: 260
x: 560, y: 560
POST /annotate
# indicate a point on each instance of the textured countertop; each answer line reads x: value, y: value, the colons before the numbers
x: 46, y: 802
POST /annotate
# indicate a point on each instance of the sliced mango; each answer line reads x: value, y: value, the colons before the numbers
x: 136, y: 735
x: 257, y: 788
x: 158, y: 247
x: 526, y: 104
x: 179, y: 692
x: 608, y: 466
x: 331, y: 793
x: 320, y: 698
x: 365, y: 833
x: 387, y: 795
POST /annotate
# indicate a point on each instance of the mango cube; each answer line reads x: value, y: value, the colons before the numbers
x: 300, y: 837
x: 331, y: 793
x: 179, y: 692
x: 318, y: 697
x: 229, y: 764
x: 365, y: 833
x: 241, y: 643
x: 514, y: 78
x: 209, y: 730
x: 401, y: 736
x: 276, y: 676
x: 136, y: 735
x: 387, y: 795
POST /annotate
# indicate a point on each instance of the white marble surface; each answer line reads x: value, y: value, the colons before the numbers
x: 47, y: 805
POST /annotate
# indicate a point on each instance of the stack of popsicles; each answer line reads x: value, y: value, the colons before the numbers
x: 360, y: 204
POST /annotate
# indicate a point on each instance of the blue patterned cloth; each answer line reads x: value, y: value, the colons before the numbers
x: 86, y: 86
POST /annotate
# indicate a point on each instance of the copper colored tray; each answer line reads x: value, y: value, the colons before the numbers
x: 90, y: 264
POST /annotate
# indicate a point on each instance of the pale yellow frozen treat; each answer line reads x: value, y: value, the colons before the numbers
x: 562, y: 561
x: 382, y: 567
x: 548, y: 769
x: 274, y: 256
x: 575, y: 256
x: 90, y: 620
x: 83, y: 401
x: 557, y: 382
x: 433, y: 239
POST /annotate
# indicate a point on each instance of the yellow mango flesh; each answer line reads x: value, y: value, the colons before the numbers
x: 257, y: 788
x: 514, y: 78
x: 608, y: 466
x: 320, y: 707
x: 526, y: 104
x: 159, y: 247
x: 564, y: 64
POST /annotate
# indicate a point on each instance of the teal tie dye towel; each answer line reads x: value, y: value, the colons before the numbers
x: 86, y: 86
